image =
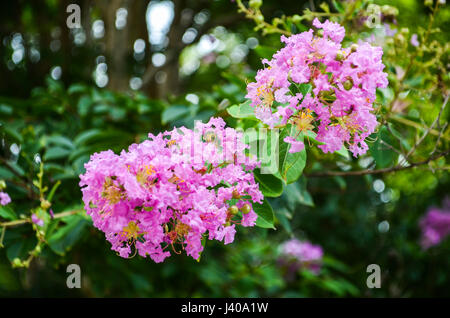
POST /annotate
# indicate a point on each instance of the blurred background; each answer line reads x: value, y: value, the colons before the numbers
x: 145, y: 66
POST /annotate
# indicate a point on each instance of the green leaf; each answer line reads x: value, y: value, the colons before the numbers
x: 265, y: 214
x: 83, y: 105
x: 66, y: 236
x: 8, y: 278
x: 53, y: 190
x: 265, y: 51
x: 343, y: 152
x: 269, y: 185
x: 77, y: 88
x: 338, y: 6
x: 384, y: 156
x: 296, y: 193
x: 6, y: 109
x: 7, y: 213
x: 335, y: 264
x: 20, y: 247
x: 86, y: 136
x: 291, y: 165
x: 56, y: 153
x: 243, y: 110
x: 305, y: 89
x: 174, y: 112
x: 5, y: 173
x: 284, y: 217
x: 59, y: 140
x: 106, y: 138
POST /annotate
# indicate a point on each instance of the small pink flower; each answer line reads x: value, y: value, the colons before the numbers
x: 4, y: 198
x: 37, y: 220
x: 414, y: 40
x: 435, y: 225
x: 296, y: 145
x: 301, y: 254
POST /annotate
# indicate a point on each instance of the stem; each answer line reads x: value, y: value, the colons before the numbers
x: 417, y: 126
x: 28, y: 220
x: 425, y: 134
x: 2, y: 236
x: 251, y: 15
x: 378, y: 171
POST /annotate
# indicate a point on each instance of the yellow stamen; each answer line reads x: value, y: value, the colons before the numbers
x: 265, y: 94
x: 131, y: 231
x: 304, y: 120
x: 143, y: 174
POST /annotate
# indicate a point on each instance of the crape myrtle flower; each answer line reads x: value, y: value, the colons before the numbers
x: 296, y: 254
x: 4, y: 198
x: 173, y: 191
x: 435, y: 225
x: 339, y: 105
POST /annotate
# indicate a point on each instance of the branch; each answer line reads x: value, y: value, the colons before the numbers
x: 425, y: 134
x: 28, y: 220
x: 377, y: 171
x: 417, y: 126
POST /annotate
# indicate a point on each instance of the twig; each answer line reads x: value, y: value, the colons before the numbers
x: 250, y: 14
x: 378, y: 171
x: 425, y: 134
x: 391, y: 147
x: 400, y: 141
x: 416, y: 125
x: 28, y: 220
x: 439, y: 139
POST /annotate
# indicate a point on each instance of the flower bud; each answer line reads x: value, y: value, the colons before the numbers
x: 255, y: 4
x: 235, y: 194
x: 2, y: 184
x: 404, y: 30
x: 233, y: 210
x: 339, y: 56
x: 276, y: 21
x: 17, y: 262
x: 348, y: 84
x: 354, y: 47
x: 320, y: 32
x: 428, y: 3
x: 45, y: 204
x: 246, y: 208
x: 259, y: 18
x: 296, y: 18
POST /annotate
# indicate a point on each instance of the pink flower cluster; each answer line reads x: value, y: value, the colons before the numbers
x: 4, y: 198
x: 339, y: 106
x: 172, y: 191
x: 301, y: 254
x: 435, y: 225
